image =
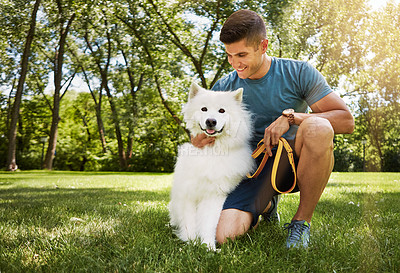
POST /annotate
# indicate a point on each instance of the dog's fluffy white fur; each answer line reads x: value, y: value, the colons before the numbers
x: 204, y: 177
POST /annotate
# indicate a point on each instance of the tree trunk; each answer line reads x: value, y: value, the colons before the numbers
x: 99, y: 119
x: 58, y: 64
x: 12, y: 138
x: 100, y: 125
x: 114, y: 115
x: 135, y: 88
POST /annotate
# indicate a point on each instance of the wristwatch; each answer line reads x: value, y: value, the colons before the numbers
x: 289, y: 114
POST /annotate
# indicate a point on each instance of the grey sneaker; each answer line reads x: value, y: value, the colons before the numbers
x: 298, y: 234
x: 272, y: 216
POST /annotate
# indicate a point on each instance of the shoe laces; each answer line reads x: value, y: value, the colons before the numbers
x: 296, y: 229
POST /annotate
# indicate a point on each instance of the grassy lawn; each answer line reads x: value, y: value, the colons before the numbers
x: 118, y: 222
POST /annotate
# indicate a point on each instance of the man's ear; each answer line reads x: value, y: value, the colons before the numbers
x: 194, y: 90
x: 264, y: 45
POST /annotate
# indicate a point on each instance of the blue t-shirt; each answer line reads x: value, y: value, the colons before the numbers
x: 288, y: 84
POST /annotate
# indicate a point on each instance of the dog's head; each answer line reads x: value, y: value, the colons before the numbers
x: 212, y: 112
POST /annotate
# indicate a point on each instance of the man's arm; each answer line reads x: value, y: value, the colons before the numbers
x: 201, y: 140
x: 334, y: 109
x: 330, y: 107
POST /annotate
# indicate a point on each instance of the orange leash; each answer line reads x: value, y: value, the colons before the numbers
x: 261, y: 149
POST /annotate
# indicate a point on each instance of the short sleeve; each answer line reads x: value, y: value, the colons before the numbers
x: 217, y: 86
x: 313, y: 85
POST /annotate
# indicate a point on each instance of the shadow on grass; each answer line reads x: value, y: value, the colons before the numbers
x: 50, y: 208
x: 340, y: 185
x: 29, y: 195
x: 119, y: 229
x: 41, y: 173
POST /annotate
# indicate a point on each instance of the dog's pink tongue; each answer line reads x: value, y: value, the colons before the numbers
x: 210, y: 131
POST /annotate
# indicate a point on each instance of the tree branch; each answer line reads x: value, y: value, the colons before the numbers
x: 69, y: 84
x: 210, y: 32
x: 41, y: 91
x: 219, y: 72
x: 151, y: 62
x: 180, y: 45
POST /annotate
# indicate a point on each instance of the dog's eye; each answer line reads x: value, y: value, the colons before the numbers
x: 221, y: 110
x: 204, y: 109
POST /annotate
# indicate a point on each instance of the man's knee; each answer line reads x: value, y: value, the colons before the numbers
x: 316, y: 127
x: 315, y: 134
x: 232, y: 223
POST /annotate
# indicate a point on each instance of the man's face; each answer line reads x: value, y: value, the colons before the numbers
x: 247, y: 60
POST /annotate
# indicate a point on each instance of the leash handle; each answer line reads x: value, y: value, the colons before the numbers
x: 261, y: 148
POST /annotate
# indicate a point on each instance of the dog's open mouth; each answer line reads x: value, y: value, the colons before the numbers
x: 211, y: 132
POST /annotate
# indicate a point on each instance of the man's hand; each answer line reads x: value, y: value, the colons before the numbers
x: 274, y: 131
x: 202, y: 140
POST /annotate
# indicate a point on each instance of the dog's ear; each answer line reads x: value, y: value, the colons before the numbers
x: 194, y: 90
x: 238, y: 94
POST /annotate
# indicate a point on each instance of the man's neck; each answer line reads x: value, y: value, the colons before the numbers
x: 268, y: 61
x: 264, y: 68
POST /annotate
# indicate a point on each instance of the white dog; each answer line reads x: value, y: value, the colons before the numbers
x: 204, y: 177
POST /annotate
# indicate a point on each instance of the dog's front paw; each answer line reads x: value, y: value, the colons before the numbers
x: 210, y: 245
x: 184, y: 235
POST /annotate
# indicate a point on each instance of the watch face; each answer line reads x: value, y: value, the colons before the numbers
x: 288, y: 111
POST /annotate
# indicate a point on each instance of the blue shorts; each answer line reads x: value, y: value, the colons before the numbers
x: 254, y: 194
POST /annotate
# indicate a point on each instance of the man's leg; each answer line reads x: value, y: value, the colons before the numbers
x: 233, y: 223
x: 314, y: 147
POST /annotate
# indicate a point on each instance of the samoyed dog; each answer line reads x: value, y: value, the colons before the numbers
x: 204, y: 177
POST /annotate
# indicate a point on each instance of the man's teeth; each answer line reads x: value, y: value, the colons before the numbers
x: 241, y: 69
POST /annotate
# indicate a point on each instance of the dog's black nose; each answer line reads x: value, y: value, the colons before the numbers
x: 211, y: 122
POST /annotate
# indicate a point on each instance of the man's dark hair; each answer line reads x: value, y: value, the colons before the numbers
x: 243, y: 24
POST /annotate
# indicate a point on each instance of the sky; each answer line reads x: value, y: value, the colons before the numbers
x: 376, y: 4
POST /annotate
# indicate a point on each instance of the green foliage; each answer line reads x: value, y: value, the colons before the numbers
x: 148, y: 51
x: 77, y: 143
x: 3, y: 129
x: 33, y: 125
x: 348, y: 154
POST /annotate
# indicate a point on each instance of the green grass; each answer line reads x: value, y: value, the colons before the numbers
x: 118, y: 222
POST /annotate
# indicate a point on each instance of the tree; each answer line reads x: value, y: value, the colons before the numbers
x: 102, y: 51
x: 98, y: 109
x: 78, y: 145
x: 64, y: 23
x: 135, y: 78
x: 378, y: 84
x: 11, y: 159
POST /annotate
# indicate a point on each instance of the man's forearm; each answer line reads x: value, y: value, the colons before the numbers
x: 341, y: 120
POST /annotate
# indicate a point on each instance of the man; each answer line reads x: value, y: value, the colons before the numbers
x: 272, y: 87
